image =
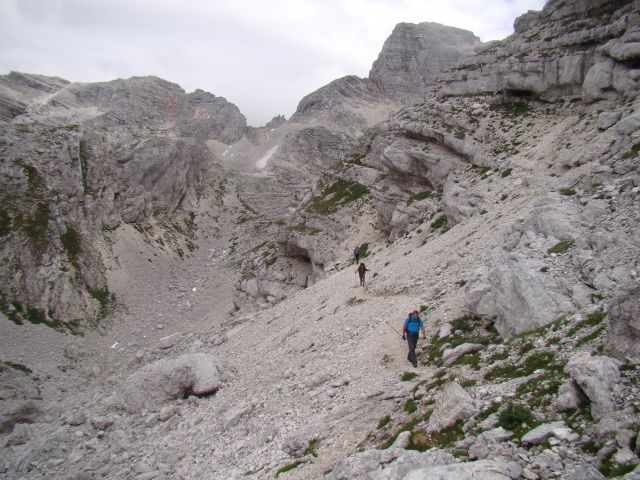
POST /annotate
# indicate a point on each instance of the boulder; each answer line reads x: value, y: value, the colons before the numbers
x: 623, y: 334
x: 570, y: 397
x: 458, y: 202
x: 585, y: 471
x: 484, y: 446
x: 450, y: 355
x: 513, y: 292
x: 170, y: 379
x: 452, y: 404
x: 544, y: 431
x: 596, y: 376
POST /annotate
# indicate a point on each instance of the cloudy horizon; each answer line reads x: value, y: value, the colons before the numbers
x: 262, y: 56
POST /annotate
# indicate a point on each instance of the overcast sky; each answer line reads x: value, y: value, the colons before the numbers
x: 262, y: 55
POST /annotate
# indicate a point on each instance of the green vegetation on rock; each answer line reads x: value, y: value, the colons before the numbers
x: 336, y: 195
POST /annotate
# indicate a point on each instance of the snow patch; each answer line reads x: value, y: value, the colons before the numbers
x: 263, y: 161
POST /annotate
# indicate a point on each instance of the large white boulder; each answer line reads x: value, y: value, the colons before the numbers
x: 169, y: 379
x: 452, y: 404
x: 596, y: 376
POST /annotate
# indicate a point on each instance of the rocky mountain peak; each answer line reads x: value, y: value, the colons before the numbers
x: 414, y: 54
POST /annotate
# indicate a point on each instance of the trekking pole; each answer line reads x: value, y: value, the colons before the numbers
x: 393, y: 329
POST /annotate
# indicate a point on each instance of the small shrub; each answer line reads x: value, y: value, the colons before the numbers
x: 506, y: 172
x: 513, y: 416
x: 364, y: 250
x: 561, y: 247
x: 71, y: 242
x: 567, y: 191
x: 461, y: 283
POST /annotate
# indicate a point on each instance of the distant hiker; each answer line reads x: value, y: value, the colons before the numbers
x: 361, y: 272
x: 411, y: 332
x: 356, y: 253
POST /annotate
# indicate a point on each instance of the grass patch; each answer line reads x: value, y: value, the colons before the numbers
x: 439, y: 222
x: 19, y: 367
x: 568, y: 192
x: 471, y: 359
x: 36, y: 228
x: 561, y: 247
x: 312, y: 448
x: 590, y: 337
x: 384, y: 421
x: 106, y: 301
x: 536, y: 361
x: 591, y: 321
x: 512, y: 108
x: 288, y: 467
x: 461, y: 283
x: 364, y: 250
x: 336, y: 195
x: 408, y: 376
x: 416, y: 197
x: 463, y: 323
x: 506, y: 172
x: 410, y: 406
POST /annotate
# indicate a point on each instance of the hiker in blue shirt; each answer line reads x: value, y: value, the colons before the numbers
x: 413, y: 324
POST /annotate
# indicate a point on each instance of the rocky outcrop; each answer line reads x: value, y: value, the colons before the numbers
x: 414, y: 54
x: 80, y: 159
x: 583, y: 49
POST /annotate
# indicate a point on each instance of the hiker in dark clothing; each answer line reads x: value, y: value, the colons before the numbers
x: 361, y: 272
x: 356, y: 253
x: 413, y: 324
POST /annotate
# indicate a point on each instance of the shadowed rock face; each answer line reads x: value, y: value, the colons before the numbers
x: 414, y: 54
